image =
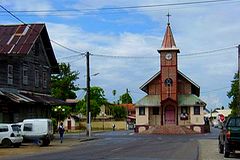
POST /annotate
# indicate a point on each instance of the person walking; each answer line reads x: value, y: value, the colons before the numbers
x: 61, y: 131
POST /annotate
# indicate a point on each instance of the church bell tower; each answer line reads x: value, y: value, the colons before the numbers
x: 168, y: 60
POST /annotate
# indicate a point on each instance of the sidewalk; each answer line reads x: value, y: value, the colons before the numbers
x: 208, y: 150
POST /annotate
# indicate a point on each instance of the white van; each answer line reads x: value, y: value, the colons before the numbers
x: 37, y: 130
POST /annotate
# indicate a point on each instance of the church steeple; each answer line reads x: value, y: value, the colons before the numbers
x: 168, y: 42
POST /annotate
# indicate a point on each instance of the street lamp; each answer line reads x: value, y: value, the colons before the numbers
x: 59, y: 110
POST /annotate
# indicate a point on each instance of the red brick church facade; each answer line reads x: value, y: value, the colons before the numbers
x: 172, y: 98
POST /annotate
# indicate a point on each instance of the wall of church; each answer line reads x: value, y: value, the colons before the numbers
x: 142, y: 119
x: 166, y: 90
x: 154, y: 119
x: 184, y: 86
x: 154, y: 87
x: 197, y: 119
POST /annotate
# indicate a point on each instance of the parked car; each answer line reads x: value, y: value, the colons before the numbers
x: 37, y: 130
x: 229, y: 137
x: 10, y: 135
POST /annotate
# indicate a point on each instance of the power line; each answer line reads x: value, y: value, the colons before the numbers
x: 181, y: 55
x: 124, y: 7
x: 57, y: 43
x: 214, y: 90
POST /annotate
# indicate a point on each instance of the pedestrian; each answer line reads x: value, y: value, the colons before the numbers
x: 113, y: 126
x: 61, y: 131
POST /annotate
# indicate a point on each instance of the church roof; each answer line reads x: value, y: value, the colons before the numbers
x: 144, y: 86
x: 168, y: 42
x: 183, y: 100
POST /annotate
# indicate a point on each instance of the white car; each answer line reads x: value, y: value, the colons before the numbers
x: 10, y: 135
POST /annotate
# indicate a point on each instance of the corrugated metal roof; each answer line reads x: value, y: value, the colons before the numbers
x: 32, y: 98
x: 183, y: 100
x: 19, y: 39
x: 189, y: 100
x: 149, y: 101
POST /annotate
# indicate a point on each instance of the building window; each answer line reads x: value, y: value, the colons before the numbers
x: 196, y: 110
x: 184, y: 113
x: 36, y: 78
x: 155, y: 110
x: 10, y: 74
x: 25, y: 75
x: 141, y: 110
x: 44, y: 79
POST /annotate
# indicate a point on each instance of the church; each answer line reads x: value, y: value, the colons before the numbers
x: 172, y: 98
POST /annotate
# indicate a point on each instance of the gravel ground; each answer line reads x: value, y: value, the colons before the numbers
x: 31, y: 148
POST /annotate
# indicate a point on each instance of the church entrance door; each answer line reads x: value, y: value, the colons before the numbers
x: 169, y: 115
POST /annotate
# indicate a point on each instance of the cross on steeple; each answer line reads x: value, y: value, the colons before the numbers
x: 168, y: 15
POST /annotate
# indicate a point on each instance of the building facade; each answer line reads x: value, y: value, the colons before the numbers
x: 172, y: 98
x: 27, y: 61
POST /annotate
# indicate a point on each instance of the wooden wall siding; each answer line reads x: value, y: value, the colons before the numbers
x: 154, y: 86
x: 33, y: 61
x: 184, y: 86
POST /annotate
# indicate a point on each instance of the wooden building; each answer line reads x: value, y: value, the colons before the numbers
x: 27, y: 61
x: 172, y: 98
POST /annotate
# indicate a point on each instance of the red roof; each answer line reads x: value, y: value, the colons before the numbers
x: 19, y: 39
x: 130, y: 107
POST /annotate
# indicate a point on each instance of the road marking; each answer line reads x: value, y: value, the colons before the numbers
x: 116, y: 149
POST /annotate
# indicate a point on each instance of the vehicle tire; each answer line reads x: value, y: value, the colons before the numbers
x: 16, y: 145
x: 6, y: 143
x: 220, y: 147
x: 46, y: 142
x: 40, y: 142
x: 226, y: 152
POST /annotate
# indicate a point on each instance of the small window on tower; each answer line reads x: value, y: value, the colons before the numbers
x: 168, y: 82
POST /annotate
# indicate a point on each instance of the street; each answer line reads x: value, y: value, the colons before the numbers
x: 124, y: 145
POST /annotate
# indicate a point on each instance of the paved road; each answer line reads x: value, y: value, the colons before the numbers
x: 124, y: 145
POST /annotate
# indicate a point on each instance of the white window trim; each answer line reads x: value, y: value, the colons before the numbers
x: 44, y: 79
x: 25, y: 77
x: 10, y: 74
x: 36, y: 78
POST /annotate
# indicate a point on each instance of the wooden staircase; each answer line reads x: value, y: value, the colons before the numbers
x: 169, y: 130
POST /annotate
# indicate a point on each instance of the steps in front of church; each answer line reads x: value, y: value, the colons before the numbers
x: 169, y: 130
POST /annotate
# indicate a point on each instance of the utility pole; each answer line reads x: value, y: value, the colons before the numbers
x: 88, y: 97
x: 239, y: 79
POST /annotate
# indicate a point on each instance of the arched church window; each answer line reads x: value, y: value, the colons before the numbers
x: 168, y: 82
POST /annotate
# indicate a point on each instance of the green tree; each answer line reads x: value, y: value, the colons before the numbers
x: 114, y: 92
x: 118, y: 112
x: 62, y: 84
x: 97, y: 99
x: 234, y: 95
x: 125, y: 98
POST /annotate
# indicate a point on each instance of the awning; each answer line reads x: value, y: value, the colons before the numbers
x: 32, y: 98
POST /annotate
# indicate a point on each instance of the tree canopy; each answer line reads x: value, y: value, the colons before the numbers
x: 97, y: 99
x: 62, y: 84
x: 118, y: 112
x: 234, y: 95
x: 125, y: 98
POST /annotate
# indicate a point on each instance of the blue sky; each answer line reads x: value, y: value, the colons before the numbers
x: 139, y: 33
